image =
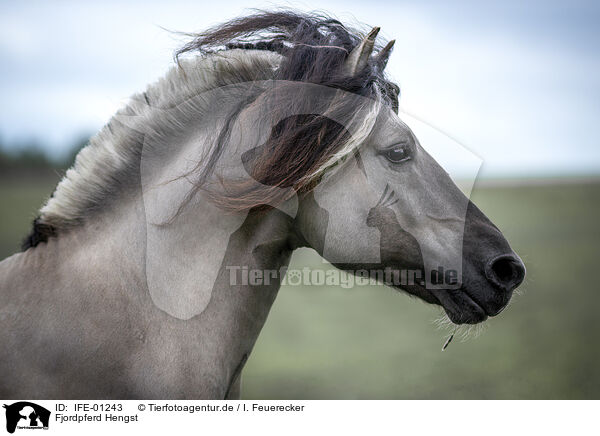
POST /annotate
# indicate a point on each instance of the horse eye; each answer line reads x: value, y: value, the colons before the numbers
x: 396, y: 154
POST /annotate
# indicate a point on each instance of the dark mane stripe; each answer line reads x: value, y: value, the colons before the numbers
x: 39, y: 233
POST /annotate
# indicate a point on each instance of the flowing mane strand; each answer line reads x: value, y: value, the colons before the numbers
x: 281, y: 45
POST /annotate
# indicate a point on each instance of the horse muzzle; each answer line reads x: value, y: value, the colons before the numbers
x: 491, y: 272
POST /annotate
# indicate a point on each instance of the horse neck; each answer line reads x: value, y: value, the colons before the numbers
x: 92, y: 280
x: 109, y: 251
x: 103, y: 263
x: 106, y: 251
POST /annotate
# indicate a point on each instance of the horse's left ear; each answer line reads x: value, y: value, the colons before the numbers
x: 359, y: 57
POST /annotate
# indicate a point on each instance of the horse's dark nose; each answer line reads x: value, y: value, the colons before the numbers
x: 506, y: 271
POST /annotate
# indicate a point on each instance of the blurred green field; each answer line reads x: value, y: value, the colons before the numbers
x: 372, y: 342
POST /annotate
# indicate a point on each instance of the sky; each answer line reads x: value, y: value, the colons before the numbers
x: 516, y: 84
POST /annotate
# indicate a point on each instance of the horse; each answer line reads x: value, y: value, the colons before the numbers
x: 273, y: 131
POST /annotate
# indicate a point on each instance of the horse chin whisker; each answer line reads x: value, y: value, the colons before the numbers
x: 519, y: 292
x: 472, y: 331
x: 443, y: 322
x: 464, y: 331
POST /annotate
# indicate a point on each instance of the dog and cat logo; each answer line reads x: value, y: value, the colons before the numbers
x: 26, y: 415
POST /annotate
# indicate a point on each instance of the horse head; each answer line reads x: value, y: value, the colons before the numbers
x: 391, y: 206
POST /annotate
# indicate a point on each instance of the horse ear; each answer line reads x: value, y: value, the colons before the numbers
x: 359, y: 57
x: 383, y: 56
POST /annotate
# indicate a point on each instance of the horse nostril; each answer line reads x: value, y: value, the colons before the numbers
x: 506, y: 271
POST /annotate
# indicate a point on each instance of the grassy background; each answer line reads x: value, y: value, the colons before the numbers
x: 371, y: 342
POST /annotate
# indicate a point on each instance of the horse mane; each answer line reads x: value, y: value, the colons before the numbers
x: 281, y: 45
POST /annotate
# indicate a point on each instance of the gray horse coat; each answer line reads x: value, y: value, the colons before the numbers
x: 125, y: 291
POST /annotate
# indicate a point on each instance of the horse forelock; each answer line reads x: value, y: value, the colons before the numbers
x: 279, y: 45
